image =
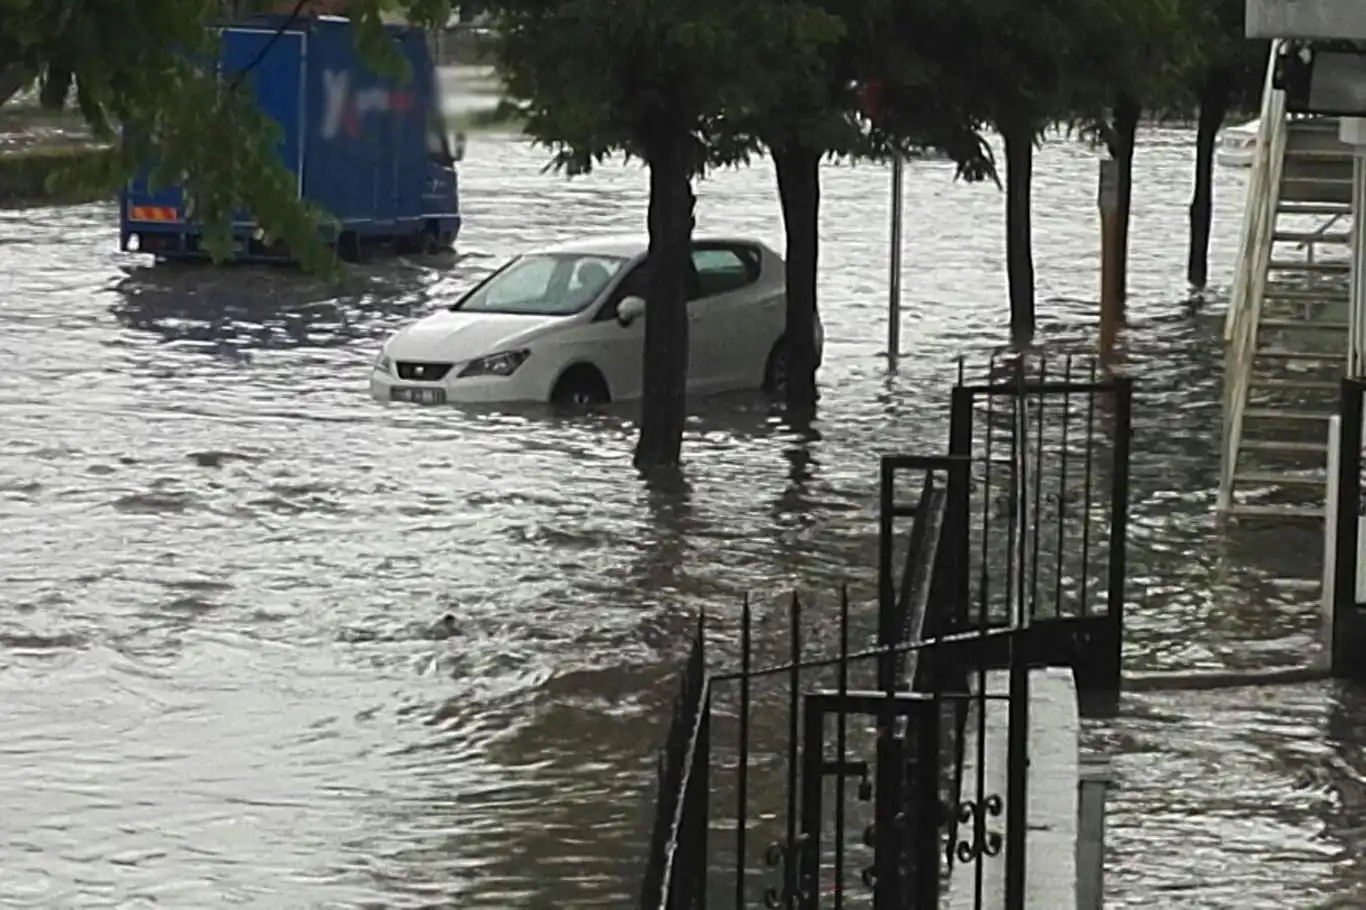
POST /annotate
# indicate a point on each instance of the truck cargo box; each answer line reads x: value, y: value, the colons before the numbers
x: 370, y: 150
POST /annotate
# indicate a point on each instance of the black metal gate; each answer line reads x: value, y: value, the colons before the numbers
x: 1047, y: 510
x: 1347, y: 619
x: 855, y: 774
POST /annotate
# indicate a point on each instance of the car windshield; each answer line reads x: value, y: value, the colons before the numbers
x: 543, y: 284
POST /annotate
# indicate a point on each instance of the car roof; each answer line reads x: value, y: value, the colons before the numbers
x: 629, y: 246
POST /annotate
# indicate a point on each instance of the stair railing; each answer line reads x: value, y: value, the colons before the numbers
x: 1249, y: 281
x: 1310, y: 243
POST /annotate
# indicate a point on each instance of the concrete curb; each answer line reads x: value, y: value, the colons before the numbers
x: 1052, y: 793
x: 31, y: 176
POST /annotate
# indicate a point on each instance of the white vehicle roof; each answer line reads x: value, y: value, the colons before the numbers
x: 1252, y: 126
x: 629, y: 246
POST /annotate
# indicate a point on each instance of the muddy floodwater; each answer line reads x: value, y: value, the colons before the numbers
x: 222, y: 562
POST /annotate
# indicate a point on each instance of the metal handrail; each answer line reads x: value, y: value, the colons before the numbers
x: 1260, y: 207
x: 1249, y: 283
x: 1309, y: 243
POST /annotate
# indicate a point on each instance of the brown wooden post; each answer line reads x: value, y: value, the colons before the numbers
x: 1111, y: 249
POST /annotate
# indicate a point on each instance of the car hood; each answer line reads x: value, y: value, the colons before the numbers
x: 448, y: 336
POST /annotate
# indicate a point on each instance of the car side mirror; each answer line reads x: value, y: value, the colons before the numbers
x: 630, y: 309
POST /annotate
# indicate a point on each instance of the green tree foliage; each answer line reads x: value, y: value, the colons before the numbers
x: 815, y: 107
x: 1023, y: 68
x: 1006, y: 64
x: 1182, y: 58
x: 1130, y: 63
x: 1224, y: 72
x: 804, y: 111
x: 139, y: 65
x: 56, y: 87
x: 654, y: 82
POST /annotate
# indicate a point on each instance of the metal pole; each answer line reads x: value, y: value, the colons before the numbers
x: 894, y: 279
x: 1356, y: 350
x: 1344, y: 656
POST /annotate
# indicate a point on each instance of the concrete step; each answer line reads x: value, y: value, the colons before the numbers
x: 1285, y: 354
x: 1315, y: 137
x: 1305, y: 123
x: 1312, y: 151
x: 1277, y: 512
x: 1327, y: 175
x: 1327, y: 237
x: 1263, y: 384
x: 1314, y: 208
x: 1303, y: 324
x: 1331, y: 267
x: 1326, y: 170
x: 1305, y: 296
x: 1052, y: 796
x: 1295, y: 189
x: 1285, y: 414
x: 1272, y: 478
x: 1286, y: 446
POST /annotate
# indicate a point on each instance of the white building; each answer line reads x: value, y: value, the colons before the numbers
x: 1297, y: 318
x: 1328, y: 19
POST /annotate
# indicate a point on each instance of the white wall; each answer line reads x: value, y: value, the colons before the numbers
x: 1345, y: 19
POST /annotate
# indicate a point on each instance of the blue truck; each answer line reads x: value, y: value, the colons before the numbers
x: 371, y: 151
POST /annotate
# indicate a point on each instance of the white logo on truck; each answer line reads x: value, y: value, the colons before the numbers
x: 344, y: 108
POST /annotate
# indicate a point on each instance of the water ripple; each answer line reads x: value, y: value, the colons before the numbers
x: 225, y: 667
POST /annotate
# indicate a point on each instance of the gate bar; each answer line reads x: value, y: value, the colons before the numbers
x: 1346, y: 612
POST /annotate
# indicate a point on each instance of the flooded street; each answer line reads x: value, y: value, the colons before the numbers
x: 222, y: 562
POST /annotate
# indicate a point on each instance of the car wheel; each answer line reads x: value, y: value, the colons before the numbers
x: 581, y: 388
x: 775, y: 371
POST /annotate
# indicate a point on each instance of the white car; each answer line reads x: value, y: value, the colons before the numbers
x: 565, y: 325
x: 1238, y: 144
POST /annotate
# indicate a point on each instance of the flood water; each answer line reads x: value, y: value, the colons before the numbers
x: 222, y: 562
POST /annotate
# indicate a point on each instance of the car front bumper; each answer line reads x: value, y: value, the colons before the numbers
x: 389, y: 389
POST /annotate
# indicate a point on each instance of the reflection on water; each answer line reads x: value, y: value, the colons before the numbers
x: 239, y: 310
x: 224, y: 563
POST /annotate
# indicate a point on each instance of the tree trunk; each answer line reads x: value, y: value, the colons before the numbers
x: 664, y: 401
x: 56, y: 87
x: 799, y: 191
x: 1214, y: 103
x: 11, y: 80
x: 1019, y: 142
x: 1127, y: 112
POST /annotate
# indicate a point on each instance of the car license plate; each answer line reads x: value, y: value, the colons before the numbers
x: 417, y: 396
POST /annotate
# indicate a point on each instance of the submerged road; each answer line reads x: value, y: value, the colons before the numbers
x: 222, y: 562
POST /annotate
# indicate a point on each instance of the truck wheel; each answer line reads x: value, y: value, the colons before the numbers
x: 439, y: 241
x: 348, y: 246
x: 411, y: 244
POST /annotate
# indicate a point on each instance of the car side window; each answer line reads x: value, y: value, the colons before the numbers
x: 722, y: 269
x: 635, y: 284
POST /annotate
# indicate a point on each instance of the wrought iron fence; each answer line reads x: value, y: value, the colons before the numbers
x: 1048, y: 443
x: 856, y: 774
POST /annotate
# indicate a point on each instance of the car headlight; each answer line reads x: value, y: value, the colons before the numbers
x: 504, y: 364
x: 384, y: 363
